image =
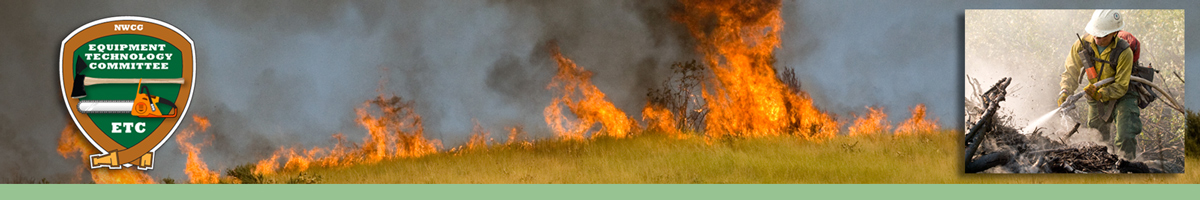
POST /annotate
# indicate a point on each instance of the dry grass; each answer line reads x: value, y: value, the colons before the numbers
x: 650, y: 158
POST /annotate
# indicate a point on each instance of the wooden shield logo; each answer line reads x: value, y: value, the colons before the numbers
x: 127, y: 82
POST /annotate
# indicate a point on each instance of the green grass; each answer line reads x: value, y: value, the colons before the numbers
x: 656, y: 159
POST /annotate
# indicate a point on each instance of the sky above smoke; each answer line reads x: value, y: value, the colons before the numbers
x: 274, y: 74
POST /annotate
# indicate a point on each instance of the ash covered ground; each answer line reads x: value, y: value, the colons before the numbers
x: 1045, y: 152
x: 1055, y: 148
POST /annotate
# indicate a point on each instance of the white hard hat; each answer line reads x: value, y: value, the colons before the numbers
x: 1104, y: 22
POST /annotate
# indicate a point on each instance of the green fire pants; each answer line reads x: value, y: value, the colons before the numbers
x: 1127, y: 115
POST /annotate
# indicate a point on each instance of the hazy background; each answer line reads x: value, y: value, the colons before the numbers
x: 1032, y: 46
x: 283, y: 73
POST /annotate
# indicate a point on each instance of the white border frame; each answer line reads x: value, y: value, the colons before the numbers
x: 66, y: 102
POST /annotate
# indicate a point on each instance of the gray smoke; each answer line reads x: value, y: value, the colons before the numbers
x: 851, y: 54
x: 283, y: 74
x: 293, y: 76
x: 864, y: 53
x: 1035, y: 62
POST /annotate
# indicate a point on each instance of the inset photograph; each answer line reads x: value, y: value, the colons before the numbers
x: 1074, y: 91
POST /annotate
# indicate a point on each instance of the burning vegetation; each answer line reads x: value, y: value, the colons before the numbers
x: 746, y: 97
x: 396, y: 132
x: 196, y: 169
x: 917, y: 124
x: 72, y: 143
x: 734, y: 92
x: 585, y: 101
x: 874, y: 122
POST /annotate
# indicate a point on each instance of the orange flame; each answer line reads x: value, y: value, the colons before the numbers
x: 72, y: 141
x: 917, y: 124
x: 196, y: 170
x: 658, y: 118
x: 396, y: 133
x: 747, y: 98
x: 518, y: 138
x: 479, y: 139
x: 297, y: 161
x: 591, y: 107
x: 805, y: 120
x: 120, y: 176
x: 874, y: 122
x: 516, y: 134
x: 267, y: 166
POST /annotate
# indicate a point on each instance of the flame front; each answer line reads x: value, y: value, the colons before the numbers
x: 744, y: 97
x: 397, y: 132
x: 658, y: 118
x: 71, y: 143
x: 480, y: 139
x: 917, y: 124
x: 196, y: 170
x: 267, y: 166
x: 738, y: 38
x: 516, y: 136
x: 585, y: 101
x: 874, y: 122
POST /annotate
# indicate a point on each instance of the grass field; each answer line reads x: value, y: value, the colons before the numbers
x: 651, y: 158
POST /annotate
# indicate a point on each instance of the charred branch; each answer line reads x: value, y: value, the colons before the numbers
x: 988, y: 161
x: 991, y: 100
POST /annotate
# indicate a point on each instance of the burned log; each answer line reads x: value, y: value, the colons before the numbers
x: 988, y: 161
x: 992, y: 146
x: 991, y: 100
x: 1135, y: 167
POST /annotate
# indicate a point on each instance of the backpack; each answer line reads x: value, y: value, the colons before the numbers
x: 1147, y: 93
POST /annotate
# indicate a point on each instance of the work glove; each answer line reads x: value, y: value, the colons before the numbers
x: 1062, y: 96
x: 1091, y: 92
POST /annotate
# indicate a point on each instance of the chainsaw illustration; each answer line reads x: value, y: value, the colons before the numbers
x: 143, y: 106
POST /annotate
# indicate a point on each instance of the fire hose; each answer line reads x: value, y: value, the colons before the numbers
x: 1070, y: 102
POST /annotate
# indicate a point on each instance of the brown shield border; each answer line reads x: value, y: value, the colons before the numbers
x: 151, y: 27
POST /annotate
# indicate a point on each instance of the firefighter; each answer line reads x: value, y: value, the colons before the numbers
x: 1099, y: 55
